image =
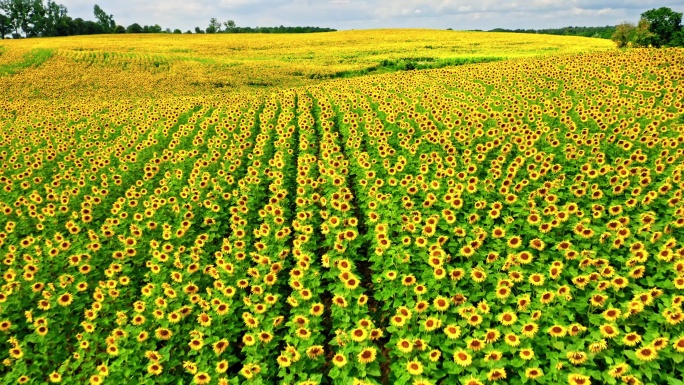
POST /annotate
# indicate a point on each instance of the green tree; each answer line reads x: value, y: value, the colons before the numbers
x: 230, y: 25
x: 643, y: 37
x: 214, y: 26
x: 38, y: 22
x: 623, y: 35
x: 665, y: 24
x: 678, y: 39
x: 56, y: 19
x: 18, y: 12
x: 628, y: 35
x: 134, y: 28
x: 5, y: 25
x: 104, y: 20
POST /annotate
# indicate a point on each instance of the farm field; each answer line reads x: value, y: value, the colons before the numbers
x: 125, y: 66
x: 518, y: 221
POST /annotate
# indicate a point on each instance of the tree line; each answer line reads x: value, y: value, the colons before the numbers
x: 657, y: 28
x: 661, y: 27
x: 39, y: 18
x: 597, y: 32
x: 215, y: 26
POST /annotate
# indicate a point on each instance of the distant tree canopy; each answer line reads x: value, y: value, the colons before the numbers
x: 42, y: 18
x: 36, y: 18
x: 105, y: 21
x: 229, y: 26
x: 598, y: 32
x: 661, y: 27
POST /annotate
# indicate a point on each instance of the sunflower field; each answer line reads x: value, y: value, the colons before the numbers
x: 515, y: 222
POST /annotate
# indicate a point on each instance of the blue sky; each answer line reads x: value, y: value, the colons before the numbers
x: 356, y: 14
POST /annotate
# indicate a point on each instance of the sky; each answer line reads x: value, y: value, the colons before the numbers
x: 357, y: 14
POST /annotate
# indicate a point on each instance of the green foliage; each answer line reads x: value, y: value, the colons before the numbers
x: 630, y: 35
x: 35, y: 58
x: 5, y: 26
x: 134, y: 28
x: 106, y: 21
x: 657, y: 28
x: 214, y: 26
x: 410, y: 64
x: 665, y: 24
x: 596, y: 32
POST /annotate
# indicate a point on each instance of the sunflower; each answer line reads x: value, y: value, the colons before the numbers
x: 440, y: 303
x: 631, y: 339
x: 222, y: 366
x: 557, y: 331
x: 220, y: 346
x: 660, y: 343
x: 507, y: 318
x: 598, y: 346
x: 578, y: 379
x: 201, y: 378
x: 462, y: 358
x: 414, y: 367
x: 472, y: 381
x: 421, y: 306
x: 154, y: 369
x: 503, y: 292
x: 612, y: 314
x: 359, y: 335
x: 526, y: 354
x: 339, y: 360
x: 474, y: 319
x: 514, y: 242
x: 367, y: 355
x: 533, y: 373
x: 317, y: 309
x: 512, y: 339
x: 404, y: 345
x: 265, y: 337
x: 284, y: 361
x: 113, y: 350
x: 476, y: 344
x: 315, y: 351
x: 530, y: 329
x: 467, y: 251
x: 163, y: 334
x: 618, y: 370
x: 576, y: 358
x: 376, y: 334
x: 493, y: 355
x: 647, y: 353
x: 492, y: 335
x: 142, y: 337
x: 432, y: 323
x: 398, y: 321
x: 65, y: 299
x: 630, y: 380
x: 55, y: 377
x: 204, y: 319
x: 678, y: 344
x: 496, y: 374
x: 609, y: 331
x: 478, y: 275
